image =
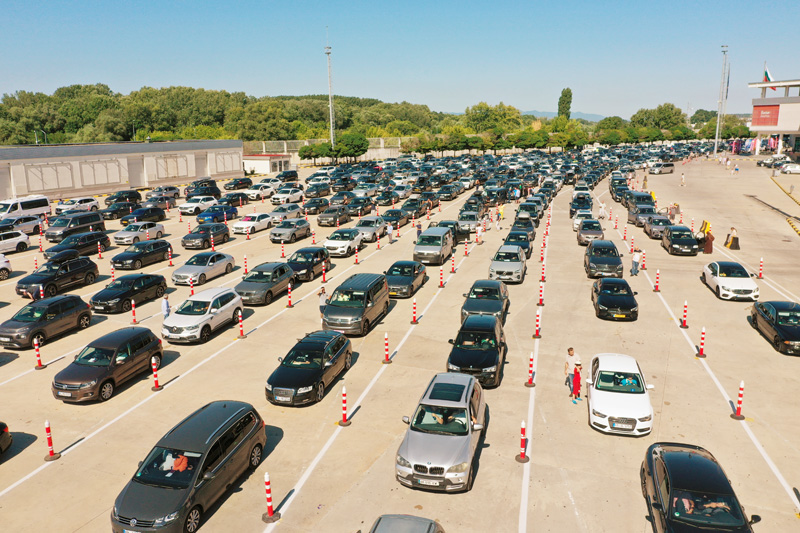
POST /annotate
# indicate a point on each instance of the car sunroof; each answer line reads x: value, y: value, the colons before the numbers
x: 447, y: 391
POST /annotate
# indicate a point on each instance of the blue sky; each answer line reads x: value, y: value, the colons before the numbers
x: 616, y: 57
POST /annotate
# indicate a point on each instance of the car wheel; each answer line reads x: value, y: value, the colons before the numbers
x: 225, y: 238
x: 21, y: 246
x: 4, y: 273
x: 84, y: 321
x: 135, y: 240
x: 114, y: 216
x: 386, y: 309
x: 753, y: 323
x: 235, y: 317
x: 642, y: 482
x: 365, y: 328
x: 38, y: 337
x: 255, y: 456
x: 348, y: 361
x: 206, y: 245
x: 196, y: 212
x: 165, y: 256
x: 205, y: 334
x: 718, y: 293
x: 192, y: 522
x: 35, y: 230
x: 106, y: 391
x: 293, y: 238
x: 158, y: 235
x: 126, y: 306
x: 89, y: 279
x: 201, y: 280
x: 137, y: 264
x: 470, y: 479
x: 157, y: 360
x: 776, y: 342
x: 50, y: 291
x: 268, y: 298
x: 320, y: 392
x: 94, y: 208
x: 228, y: 268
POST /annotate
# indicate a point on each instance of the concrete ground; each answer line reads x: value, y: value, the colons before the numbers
x: 328, y: 478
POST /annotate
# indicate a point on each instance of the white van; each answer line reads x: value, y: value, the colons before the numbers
x: 35, y: 205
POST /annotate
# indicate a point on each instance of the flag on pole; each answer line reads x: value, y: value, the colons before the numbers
x: 768, y: 76
x: 728, y: 83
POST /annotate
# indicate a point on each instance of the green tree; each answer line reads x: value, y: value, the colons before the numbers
x: 669, y: 116
x: 611, y: 123
x: 701, y: 116
x: 611, y: 137
x: 483, y: 117
x: 351, y: 145
x: 643, y: 118
x: 565, y: 103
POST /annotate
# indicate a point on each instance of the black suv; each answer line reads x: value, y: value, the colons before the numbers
x: 63, y: 270
x: 84, y: 243
x: 118, y: 295
x: 238, y: 183
x: 123, y: 196
x: 479, y: 349
x: 142, y: 253
x: 287, y: 175
x: 119, y: 209
x: 144, y: 214
x: 602, y: 259
x: 343, y: 184
x: 200, y: 237
x: 44, y: 320
x: 205, y: 191
x: 196, y: 184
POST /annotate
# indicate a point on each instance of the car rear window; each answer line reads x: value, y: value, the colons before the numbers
x: 450, y: 392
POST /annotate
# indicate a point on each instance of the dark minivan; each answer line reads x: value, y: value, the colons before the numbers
x: 190, y: 468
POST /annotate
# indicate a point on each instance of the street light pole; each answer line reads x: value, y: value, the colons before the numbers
x: 330, y: 95
x: 721, y: 95
x: 45, y: 136
x: 36, y: 134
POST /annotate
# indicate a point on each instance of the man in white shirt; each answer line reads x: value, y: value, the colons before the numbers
x: 635, y: 258
x: 165, y: 306
x: 569, y: 367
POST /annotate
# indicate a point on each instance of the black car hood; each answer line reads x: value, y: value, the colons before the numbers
x: 297, y: 266
x: 684, y: 242
x: 148, y: 502
x: 616, y: 301
x: 60, y: 248
x: 35, y: 279
x: 605, y: 260
x: 106, y: 295
x: 399, y: 281
x: 124, y: 256
x: 474, y: 358
x: 14, y: 325
x: 294, y: 378
x: 484, y: 307
x: 789, y: 333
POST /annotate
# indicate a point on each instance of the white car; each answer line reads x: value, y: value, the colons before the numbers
x: 14, y: 241
x: 202, y: 314
x: 5, y: 267
x: 618, y: 395
x: 274, y: 182
x: 791, y: 168
x: 138, y: 232
x: 285, y: 211
x: 319, y: 179
x: 580, y: 216
x: 580, y: 188
x: 287, y: 195
x: 344, y: 242
x: 85, y: 203
x: 255, y: 222
x: 467, y: 181
x: 259, y: 191
x: 197, y: 204
x: 730, y: 281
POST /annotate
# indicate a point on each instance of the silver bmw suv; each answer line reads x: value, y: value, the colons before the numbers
x: 438, y: 451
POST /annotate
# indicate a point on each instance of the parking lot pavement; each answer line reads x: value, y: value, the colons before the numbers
x: 327, y: 478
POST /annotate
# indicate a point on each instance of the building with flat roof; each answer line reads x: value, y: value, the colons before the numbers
x: 777, y: 114
x: 64, y: 170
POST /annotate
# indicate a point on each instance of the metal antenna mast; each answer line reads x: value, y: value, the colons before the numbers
x: 721, y: 95
x: 330, y: 90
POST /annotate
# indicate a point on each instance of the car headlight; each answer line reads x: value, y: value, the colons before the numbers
x: 114, y: 513
x: 89, y: 384
x: 402, y: 461
x: 301, y: 272
x: 303, y: 390
x: 166, y: 519
x: 645, y: 418
x: 460, y: 468
x: 269, y: 387
x: 675, y: 246
x: 724, y: 288
x: 21, y: 335
x: 491, y: 369
x: 517, y: 271
x: 694, y: 247
x: 453, y: 367
x: 634, y: 308
x: 603, y: 307
x: 191, y: 328
x: 592, y: 265
x: 598, y: 414
x: 114, y: 301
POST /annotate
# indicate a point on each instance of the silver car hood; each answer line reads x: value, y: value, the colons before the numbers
x: 505, y: 265
x: 435, y: 450
x: 192, y: 269
x: 125, y: 233
x: 185, y: 320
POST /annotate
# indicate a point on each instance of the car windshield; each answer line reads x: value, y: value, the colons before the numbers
x: 602, y: 251
x: 121, y: 284
x: 59, y: 222
x: 168, y: 468
x: 259, y: 276
x: 393, y: 213
x: 468, y: 217
x: 288, y: 224
x: 135, y: 227
x: 303, y: 357
x: 400, y: 270
x: 119, y: 205
x: 365, y: 223
x: 285, y: 191
x: 659, y: 222
x: 138, y: 247
x: 789, y: 318
x: 69, y: 202
x: 614, y: 288
x: 249, y: 218
x: 591, y: 226
x: 332, y: 210
x: 706, y: 510
x: 302, y: 257
x: 484, y: 293
x: 682, y: 235
x: 199, y: 260
x: 29, y: 313
x: 475, y: 340
x: 623, y: 382
x: 193, y: 307
x: 347, y: 298
x: 195, y: 200
x: 429, y: 240
x: 508, y: 257
x: 48, y: 268
x: 440, y: 420
x: 733, y: 271
x: 342, y: 236
x: 91, y: 356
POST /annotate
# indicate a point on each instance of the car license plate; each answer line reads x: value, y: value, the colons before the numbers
x: 428, y: 482
x: 5, y: 339
x: 393, y: 293
x: 172, y: 336
x: 282, y: 399
x: 67, y: 394
x: 621, y: 426
x: 619, y: 316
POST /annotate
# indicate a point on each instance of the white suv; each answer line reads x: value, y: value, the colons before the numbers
x: 5, y: 267
x: 202, y: 314
x: 259, y: 191
x: 85, y: 203
x: 197, y: 204
x: 14, y: 241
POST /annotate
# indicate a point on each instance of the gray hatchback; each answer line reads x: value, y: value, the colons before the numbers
x: 190, y: 468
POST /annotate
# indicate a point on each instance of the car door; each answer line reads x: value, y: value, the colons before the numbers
x: 711, y: 271
x: 216, y: 314
x: 662, y: 491
x: 149, y: 254
x: 208, y: 491
x: 283, y: 279
x: 74, y: 272
x: 476, y: 411
x: 768, y: 325
x: 55, y: 319
x: 141, y: 353
x: 125, y: 361
x: 138, y: 290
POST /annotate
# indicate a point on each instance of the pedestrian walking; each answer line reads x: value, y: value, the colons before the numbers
x: 165, y: 306
x: 503, y: 211
x: 576, y: 384
x: 390, y: 231
x: 323, y: 301
x: 602, y: 214
x: 635, y: 258
x: 708, y: 243
x: 683, y: 179
x: 732, y: 242
x: 736, y: 169
x: 516, y: 194
x: 419, y: 229
x: 478, y: 232
x: 497, y: 221
x: 644, y: 182
x: 569, y: 368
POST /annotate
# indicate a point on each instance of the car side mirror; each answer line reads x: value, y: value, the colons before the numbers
x: 755, y: 519
x: 657, y: 506
x: 370, y: 304
x: 753, y: 275
x: 214, y: 309
x: 142, y: 462
x: 329, y: 363
x: 465, y: 295
x: 650, y: 386
x: 408, y: 421
x: 450, y: 341
x: 635, y: 293
x: 208, y: 476
x: 477, y: 427
x: 121, y: 359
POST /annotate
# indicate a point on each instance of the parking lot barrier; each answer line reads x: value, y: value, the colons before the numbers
x: 414, y: 312
x: 225, y: 217
x: 692, y: 228
x: 466, y: 247
x: 441, y: 278
x: 761, y: 269
x: 625, y: 233
x: 616, y: 222
x: 386, y: 360
x: 681, y: 221
x: 271, y: 515
x: 112, y: 272
x: 701, y: 352
x: 245, y: 263
x: 684, y: 325
x: 213, y: 248
x: 644, y: 260
x: 189, y: 226
x: 738, y: 414
x: 156, y: 387
x: 323, y: 274
x: 522, y: 457
x: 41, y: 250
x: 241, y: 322
x: 543, y: 278
x: 313, y: 237
x: 530, y: 382
x: 170, y: 256
x: 344, y: 422
x: 35, y: 263
x: 51, y: 455
x: 379, y: 241
x: 658, y: 274
x: 632, y: 248
x: 356, y: 261
x: 398, y: 229
x: 452, y: 263
x: 538, y: 333
x: 191, y: 287
x: 283, y: 250
x: 289, y: 294
x: 133, y: 311
x: 306, y: 215
x: 148, y: 235
x: 180, y: 216
x: 39, y: 365
x: 428, y: 214
x: 541, y: 295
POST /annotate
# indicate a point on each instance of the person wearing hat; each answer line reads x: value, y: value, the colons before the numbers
x: 576, y: 383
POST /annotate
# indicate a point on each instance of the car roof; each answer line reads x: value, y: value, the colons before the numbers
x: 54, y: 299
x: 694, y: 468
x: 602, y: 243
x: 617, y: 361
x: 360, y: 281
x: 783, y: 306
x: 209, y: 294
x: 406, y: 263
x: 263, y: 267
x: 490, y: 283
x: 729, y: 263
x: 320, y: 337
x: 682, y: 228
x: 614, y: 281
x: 401, y: 523
x: 113, y: 340
x: 196, y: 431
x: 444, y: 390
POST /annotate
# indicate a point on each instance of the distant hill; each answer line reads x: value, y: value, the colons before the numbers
x: 577, y: 114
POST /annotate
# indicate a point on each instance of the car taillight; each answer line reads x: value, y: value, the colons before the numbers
x: 88, y: 306
x: 5, y: 429
x: 159, y: 341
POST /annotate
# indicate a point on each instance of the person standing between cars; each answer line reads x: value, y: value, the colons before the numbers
x: 602, y: 214
x: 323, y: 301
x: 390, y: 231
x: 569, y: 367
x: 165, y: 306
x: 708, y: 243
x: 683, y: 179
x: 576, y: 384
x: 419, y: 229
x: 635, y: 258
x: 478, y: 232
x: 497, y: 221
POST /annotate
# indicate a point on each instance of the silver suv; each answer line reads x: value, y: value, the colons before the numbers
x: 508, y: 264
x: 438, y: 451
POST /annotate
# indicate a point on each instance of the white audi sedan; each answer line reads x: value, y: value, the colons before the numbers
x: 619, y: 398
x: 730, y: 281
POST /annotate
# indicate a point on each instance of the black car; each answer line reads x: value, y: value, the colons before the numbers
x: 360, y: 206
x: 307, y: 263
x: 310, y: 366
x: 318, y: 190
x: 404, y: 278
x: 685, y: 490
x: 526, y: 225
x: 200, y: 237
x: 234, y: 199
x: 602, y: 259
x: 486, y: 297
x: 460, y: 233
x: 142, y: 253
x: 421, y: 185
x: 415, y: 208
x: 315, y: 206
x: 196, y: 184
x: 342, y: 198
x: 83, y: 243
x: 144, y: 214
x: 119, y: 210
x: 579, y: 203
x: 779, y: 322
x: 430, y: 199
x: 6, y: 440
x: 678, y: 240
x: 522, y: 239
x: 387, y: 198
x: 447, y: 192
x: 118, y: 295
x: 238, y: 183
x: 343, y: 184
x: 287, y: 175
x: 618, y: 192
x: 479, y: 349
x: 396, y: 217
x: 123, y: 196
x: 205, y: 191
x: 64, y: 270
x: 613, y: 298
